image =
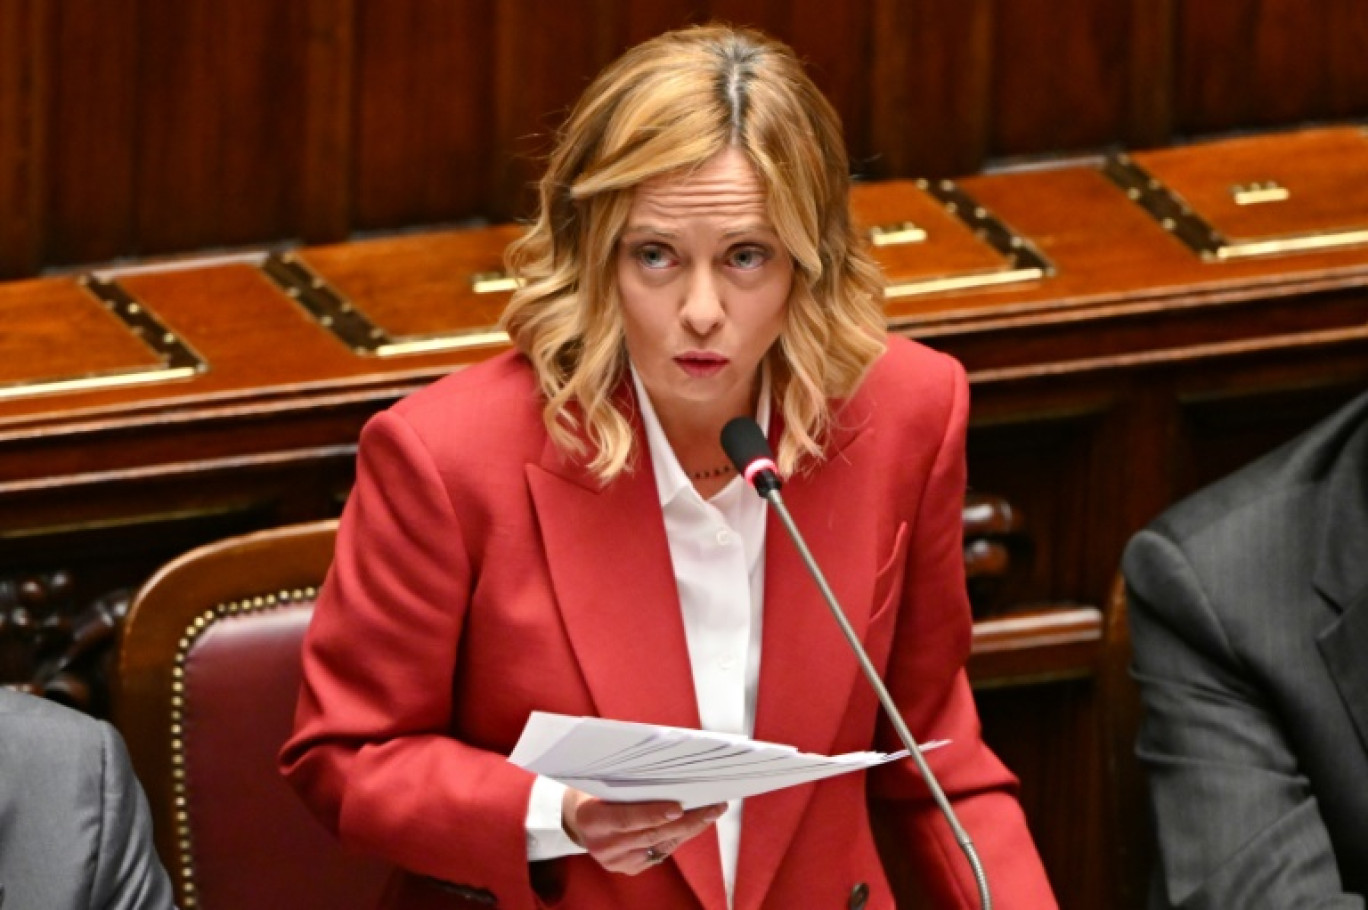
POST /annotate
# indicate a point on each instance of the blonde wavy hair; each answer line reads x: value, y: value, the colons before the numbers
x: 668, y: 106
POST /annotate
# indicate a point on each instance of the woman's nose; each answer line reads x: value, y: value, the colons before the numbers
x: 702, y: 311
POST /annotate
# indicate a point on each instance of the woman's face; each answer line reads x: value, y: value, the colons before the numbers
x: 704, y: 281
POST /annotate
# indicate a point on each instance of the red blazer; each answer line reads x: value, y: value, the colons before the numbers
x: 481, y: 575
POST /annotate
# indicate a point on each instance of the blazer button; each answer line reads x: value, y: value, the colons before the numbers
x: 859, y: 896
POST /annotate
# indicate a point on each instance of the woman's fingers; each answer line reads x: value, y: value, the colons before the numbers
x: 632, y: 837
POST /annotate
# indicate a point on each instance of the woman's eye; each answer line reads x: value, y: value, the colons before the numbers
x: 654, y: 257
x: 748, y: 258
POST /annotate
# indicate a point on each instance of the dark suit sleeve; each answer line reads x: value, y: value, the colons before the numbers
x: 128, y: 874
x: 1237, y: 823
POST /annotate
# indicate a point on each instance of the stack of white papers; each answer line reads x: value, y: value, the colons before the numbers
x: 629, y: 762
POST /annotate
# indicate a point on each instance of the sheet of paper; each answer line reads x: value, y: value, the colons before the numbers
x: 632, y: 762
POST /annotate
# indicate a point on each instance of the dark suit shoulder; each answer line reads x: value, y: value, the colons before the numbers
x: 34, y: 719
x: 1296, y: 468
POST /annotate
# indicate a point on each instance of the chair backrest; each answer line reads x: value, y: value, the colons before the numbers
x: 208, y: 673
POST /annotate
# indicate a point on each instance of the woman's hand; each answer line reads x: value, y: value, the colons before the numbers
x: 631, y: 837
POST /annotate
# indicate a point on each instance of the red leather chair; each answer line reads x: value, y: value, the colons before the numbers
x: 207, y: 677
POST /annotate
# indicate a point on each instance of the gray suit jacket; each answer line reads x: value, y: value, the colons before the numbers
x: 74, y: 826
x: 1249, y: 615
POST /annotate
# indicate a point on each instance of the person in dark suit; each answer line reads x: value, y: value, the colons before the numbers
x: 75, y: 833
x: 1249, y: 615
x: 559, y: 529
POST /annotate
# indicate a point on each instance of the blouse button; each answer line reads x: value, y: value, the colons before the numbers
x: 725, y: 537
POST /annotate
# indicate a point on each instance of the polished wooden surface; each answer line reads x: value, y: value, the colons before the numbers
x: 145, y: 127
x: 1132, y: 373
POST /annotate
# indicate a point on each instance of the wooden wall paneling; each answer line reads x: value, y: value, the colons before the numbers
x: 929, y: 105
x: 639, y: 21
x: 1059, y: 75
x: 1346, y: 55
x: 771, y: 16
x: 1149, y: 74
x: 1290, y: 77
x: 258, y: 80
x: 1024, y: 726
x: 324, y: 193
x: 90, y: 187
x: 219, y: 87
x: 1251, y: 63
x: 547, y: 52
x: 1212, y: 64
x: 1131, y: 478
x: 834, y: 42
x: 24, y: 46
x: 1219, y: 434
x: 425, y: 111
x: 1039, y: 463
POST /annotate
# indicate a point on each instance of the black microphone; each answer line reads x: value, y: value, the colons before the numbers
x: 746, y: 446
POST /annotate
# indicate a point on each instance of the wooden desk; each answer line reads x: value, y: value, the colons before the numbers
x: 1115, y: 366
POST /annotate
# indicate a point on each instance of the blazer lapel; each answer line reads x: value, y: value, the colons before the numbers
x: 1341, y: 576
x: 614, y: 582
x: 806, y: 666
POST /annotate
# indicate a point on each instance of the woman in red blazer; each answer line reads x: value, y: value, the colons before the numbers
x: 510, y: 545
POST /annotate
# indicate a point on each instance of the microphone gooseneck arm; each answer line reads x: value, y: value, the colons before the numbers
x: 966, y: 844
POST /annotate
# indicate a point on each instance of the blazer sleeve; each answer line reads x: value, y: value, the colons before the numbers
x: 373, y: 752
x: 1237, y: 823
x: 128, y: 874
x: 926, y: 678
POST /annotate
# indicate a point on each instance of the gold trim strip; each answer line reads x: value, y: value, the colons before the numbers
x: 179, y: 360
x: 93, y: 382
x: 475, y: 338
x: 347, y: 322
x: 1175, y: 216
x: 185, y: 842
x: 1296, y: 243
x: 901, y: 289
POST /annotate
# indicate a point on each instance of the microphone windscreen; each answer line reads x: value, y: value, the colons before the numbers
x: 744, y: 442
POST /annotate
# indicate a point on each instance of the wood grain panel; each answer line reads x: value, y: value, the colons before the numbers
x: 91, y: 174
x: 928, y: 109
x: 834, y: 43
x: 139, y: 127
x: 1059, y: 77
x: 220, y: 91
x: 1149, y: 78
x: 425, y: 110
x: 1249, y: 63
x: 547, y: 54
x: 1346, y: 56
x: 24, y: 42
x: 326, y: 153
x: 639, y: 21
